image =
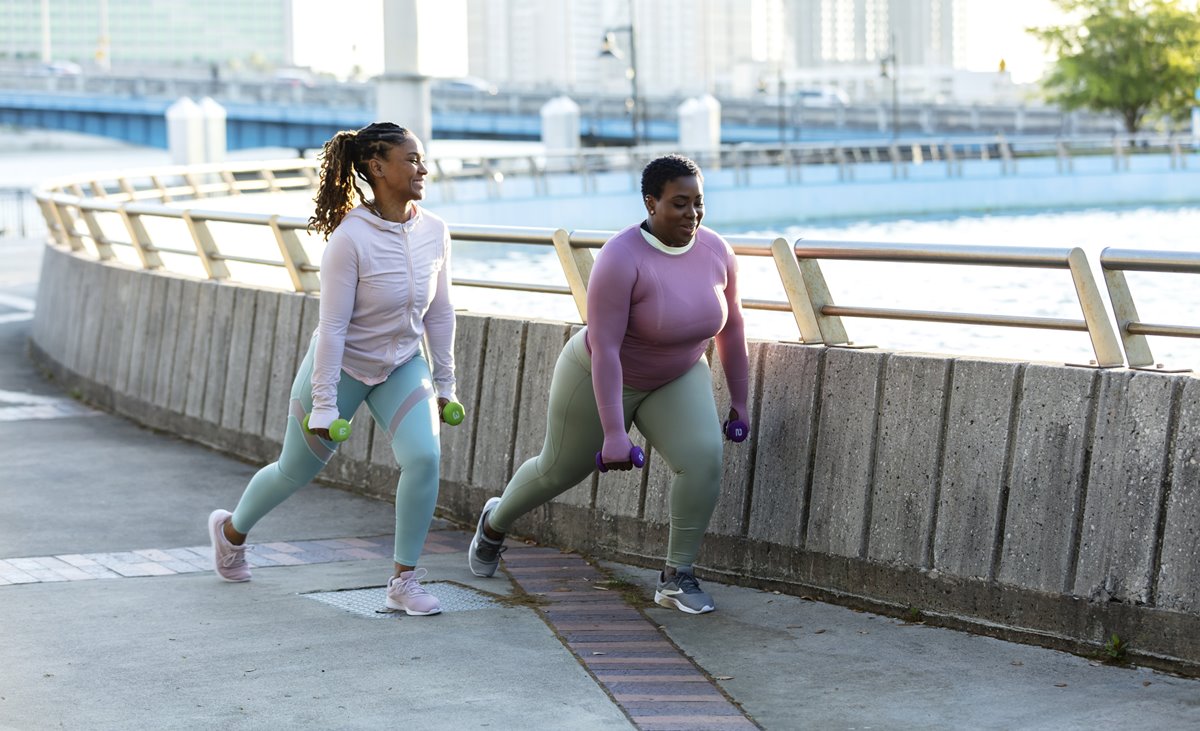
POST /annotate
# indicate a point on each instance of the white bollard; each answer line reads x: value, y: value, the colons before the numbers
x: 185, y: 132
x: 700, y: 124
x: 213, y: 116
x: 560, y: 127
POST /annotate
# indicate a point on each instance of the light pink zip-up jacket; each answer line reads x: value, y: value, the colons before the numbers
x: 385, y: 286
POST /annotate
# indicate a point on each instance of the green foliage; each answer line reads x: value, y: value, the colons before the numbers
x: 1132, y: 57
x: 1115, y: 648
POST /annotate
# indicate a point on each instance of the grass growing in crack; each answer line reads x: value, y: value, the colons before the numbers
x: 912, y: 615
x: 521, y: 598
x: 1115, y: 650
x: 632, y: 594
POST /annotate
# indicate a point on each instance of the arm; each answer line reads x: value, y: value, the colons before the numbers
x: 731, y: 345
x: 609, y: 292
x: 439, y: 330
x: 339, y: 282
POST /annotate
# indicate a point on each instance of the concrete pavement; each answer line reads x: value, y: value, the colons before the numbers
x: 161, y: 643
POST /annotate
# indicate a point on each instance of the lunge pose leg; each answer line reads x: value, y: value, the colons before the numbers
x: 385, y: 289
x: 659, y: 291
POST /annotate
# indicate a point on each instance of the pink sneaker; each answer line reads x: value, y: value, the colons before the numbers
x: 405, y: 593
x: 228, y: 560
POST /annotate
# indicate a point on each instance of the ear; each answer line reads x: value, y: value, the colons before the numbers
x: 649, y: 203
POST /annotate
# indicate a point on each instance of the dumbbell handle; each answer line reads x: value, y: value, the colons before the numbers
x: 636, y: 455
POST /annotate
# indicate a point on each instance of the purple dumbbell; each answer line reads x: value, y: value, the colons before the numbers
x: 736, y: 430
x: 636, y: 455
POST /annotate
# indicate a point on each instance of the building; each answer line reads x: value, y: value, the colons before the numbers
x: 141, y: 32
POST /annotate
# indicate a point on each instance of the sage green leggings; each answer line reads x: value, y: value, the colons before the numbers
x: 404, y: 406
x: 679, y: 420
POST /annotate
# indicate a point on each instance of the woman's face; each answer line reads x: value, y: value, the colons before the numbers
x: 401, y: 171
x: 675, y: 216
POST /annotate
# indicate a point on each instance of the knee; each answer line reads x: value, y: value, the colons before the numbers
x: 426, y: 460
x: 703, y: 468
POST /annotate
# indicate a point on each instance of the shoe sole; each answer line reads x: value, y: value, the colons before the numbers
x: 671, y: 603
x: 491, y: 503
x: 411, y: 613
x: 212, y: 539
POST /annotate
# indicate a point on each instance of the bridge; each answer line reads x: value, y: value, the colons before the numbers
x: 1034, y: 501
x: 268, y: 113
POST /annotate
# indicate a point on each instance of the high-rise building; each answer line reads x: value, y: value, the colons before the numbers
x: 826, y: 32
x: 683, y: 46
x: 147, y: 31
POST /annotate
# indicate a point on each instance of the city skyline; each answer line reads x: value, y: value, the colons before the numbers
x: 730, y: 44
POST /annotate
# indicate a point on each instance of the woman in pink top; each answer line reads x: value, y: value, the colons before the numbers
x: 385, y: 287
x: 659, y: 291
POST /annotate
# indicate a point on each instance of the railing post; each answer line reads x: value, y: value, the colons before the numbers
x: 1104, y: 341
x: 832, y: 330
x: 444, y: 181
x: 230, y: 183
x: 73, y: 239
x: 304, y: 278
x: 162, y: 189
x: 269, y: 178
x: 577, y: 266
x: 127, y: 188
x: 103, y: 248
x: 53, y: 222
x: 139, y: 237
x: 796, y: 291
x: 206, y: 247
x: 1137, y: 348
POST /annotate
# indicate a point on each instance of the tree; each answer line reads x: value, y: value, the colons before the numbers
x: 1131, y: 57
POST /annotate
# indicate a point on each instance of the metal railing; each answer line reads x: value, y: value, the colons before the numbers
x: 1114, y: 263
x: 18, y: 213
x: 139, y: 196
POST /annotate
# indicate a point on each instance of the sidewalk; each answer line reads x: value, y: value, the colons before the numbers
x: 110, y: 619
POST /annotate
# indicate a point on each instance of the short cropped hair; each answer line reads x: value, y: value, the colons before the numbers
x: 663, y: 170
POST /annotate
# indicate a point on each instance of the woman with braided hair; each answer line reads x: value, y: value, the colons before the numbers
x: 660, y: 290
x: 385, y: 287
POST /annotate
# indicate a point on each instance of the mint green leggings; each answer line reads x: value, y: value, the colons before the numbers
x: 403, y: 405
x: 679, y: 420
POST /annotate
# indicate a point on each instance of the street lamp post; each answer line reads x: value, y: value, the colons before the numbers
x: 609, y: 48
x: 889, y: 68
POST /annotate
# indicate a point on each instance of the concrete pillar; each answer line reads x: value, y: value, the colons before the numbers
x: 185, y: 132
x: 560, y: 125
x: 700, y: 124
x: 213, y: 116
x: 402, y: 91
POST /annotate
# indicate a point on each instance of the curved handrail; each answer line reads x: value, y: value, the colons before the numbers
x: 818, y: 319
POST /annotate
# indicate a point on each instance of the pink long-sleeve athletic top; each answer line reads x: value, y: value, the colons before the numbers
x: 651, y: 311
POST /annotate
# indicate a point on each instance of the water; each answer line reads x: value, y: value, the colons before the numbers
x: 1161, y: 298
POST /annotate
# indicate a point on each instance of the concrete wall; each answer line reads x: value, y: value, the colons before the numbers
x: 1046, y: 503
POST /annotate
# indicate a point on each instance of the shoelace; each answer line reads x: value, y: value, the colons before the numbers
x: 236, y: 557
x: 688, y: 584
x: 488, y: 551
x: 412, y: 585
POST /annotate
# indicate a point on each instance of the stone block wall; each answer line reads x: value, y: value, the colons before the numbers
x: 1045, y: 503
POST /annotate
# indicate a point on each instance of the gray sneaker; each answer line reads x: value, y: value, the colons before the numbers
x: 683, y: 592
x: 484, y: 554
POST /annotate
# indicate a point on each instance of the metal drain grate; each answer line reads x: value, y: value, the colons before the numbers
x: 370, y: 602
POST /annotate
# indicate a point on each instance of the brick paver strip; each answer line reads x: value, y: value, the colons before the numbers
x: 627, y: 653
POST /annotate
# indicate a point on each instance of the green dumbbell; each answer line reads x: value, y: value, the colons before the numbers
x: 453, y: 413
x: 339, y: 430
